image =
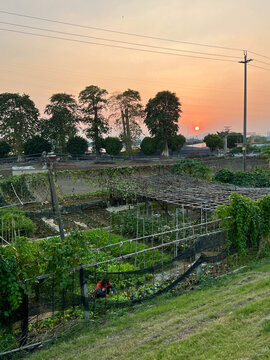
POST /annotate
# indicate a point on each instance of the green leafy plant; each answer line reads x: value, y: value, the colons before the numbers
x: 191, y: 167
x: 247, y: 220
x: 13, y: 222
x: 256, y: 178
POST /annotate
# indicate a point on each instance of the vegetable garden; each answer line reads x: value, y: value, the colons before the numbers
x: 175, y: 230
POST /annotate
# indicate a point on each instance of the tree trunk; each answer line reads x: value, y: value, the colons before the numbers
x: 165, y: 151
x: 123, y: 124
x: 96, y: 131
x: 128, y: 137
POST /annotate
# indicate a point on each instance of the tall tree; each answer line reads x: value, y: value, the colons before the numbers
x: 214, y: 141
x: 176, y: 143
x: 234, y: 138
x: 162, y: 115
x: 92, y: 101
x: 61, y: 125
x: 129, y: 111
x: 18, y: 119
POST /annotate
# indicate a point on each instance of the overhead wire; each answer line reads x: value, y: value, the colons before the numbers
x: 117, y: 41
x: 129, y: 34
x: 119, y: 32
x: 112, y: 46
x: 260, y: 67
x: 255, y: 53
x: 262, y: 62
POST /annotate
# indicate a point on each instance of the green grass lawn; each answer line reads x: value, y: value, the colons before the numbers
x: 226, y: 319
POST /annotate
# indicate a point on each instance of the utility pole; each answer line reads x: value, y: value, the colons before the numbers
x: 245, y: 62
x: 55, y: 204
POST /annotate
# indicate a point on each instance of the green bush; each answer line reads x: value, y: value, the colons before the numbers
x: 248, y: 220
x: 264, y: 205
x: 224, y: 176
x: 148, y: 146
x: 113, y: 145
x: 4, y: 149
x: 256, y: 178
x: 191, y: 167
x: 176, y: 142
x: 214, y: 141
x: 77, y: 145
x: 36, y: 145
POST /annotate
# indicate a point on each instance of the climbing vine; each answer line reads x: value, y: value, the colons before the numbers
x: 248, y: 220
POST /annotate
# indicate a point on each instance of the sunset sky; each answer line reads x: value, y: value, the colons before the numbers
x: 211, y: 92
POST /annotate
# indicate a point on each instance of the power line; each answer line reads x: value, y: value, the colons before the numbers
x: 113, y: 46
x: 254, y: 53
x: 262, y: 62
x: 260, y: 67
x: 117, y: 41
x: 118, y: 32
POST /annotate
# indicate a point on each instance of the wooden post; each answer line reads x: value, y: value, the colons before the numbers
x: 199, y: 268
x: 84, y: 293
x: 55, y: 204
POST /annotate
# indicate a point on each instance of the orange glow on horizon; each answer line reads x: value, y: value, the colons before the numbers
x: 197, y: 128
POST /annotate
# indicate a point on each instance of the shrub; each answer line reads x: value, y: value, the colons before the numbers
x: 256, y: 178
x: 148, y: 146
x: 191, y: 167
x: 176, y: 142
x: 245, y: 222
x: 36, y: 145
x: 233, y: 139
x: 113, y: 145
x: 224, y: 176
x: 213, y: 141
x: 77, y: 145
x: 264, y: 205
x: 4, y: 149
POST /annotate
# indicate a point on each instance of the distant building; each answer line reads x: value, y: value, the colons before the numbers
x: 268, y: 135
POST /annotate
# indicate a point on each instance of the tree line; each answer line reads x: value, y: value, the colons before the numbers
x: 23, y: 130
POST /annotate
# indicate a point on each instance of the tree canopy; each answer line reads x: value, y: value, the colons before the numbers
x: 162, y: 115
x: 77, y: 145
x: 113, y: 145
x: 234, y: 138
x: 92, y: 101
x: 148, y: 146
x: 61, y: 125
x: 18, y: 119
x: 36, y: 145
x: 128, y: 113
x: 214, y: 141
x: 4, y: 148
x: 176, y: 142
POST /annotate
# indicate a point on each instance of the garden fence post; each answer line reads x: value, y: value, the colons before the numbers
x: 199, y: 268
x: 84, y: 293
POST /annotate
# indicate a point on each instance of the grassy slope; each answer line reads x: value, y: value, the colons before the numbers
x: 227, y: 320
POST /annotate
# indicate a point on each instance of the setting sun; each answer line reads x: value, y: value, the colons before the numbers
x: 197, y: 128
